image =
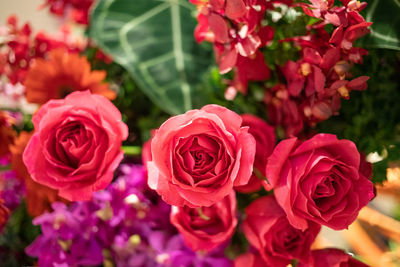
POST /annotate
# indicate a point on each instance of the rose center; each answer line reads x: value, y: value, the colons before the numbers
x: 70, y: 143
x: 287, y: 239
x: 325, y: 189
x: 199, y: 154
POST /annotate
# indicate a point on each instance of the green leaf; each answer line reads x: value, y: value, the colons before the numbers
x: 385, y: 30
x: 153, y: 40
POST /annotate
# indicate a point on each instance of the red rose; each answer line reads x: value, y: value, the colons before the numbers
x: 199, y: 156
x: 268, y: 230
x: 77, y: 144
x: 208, y: 227
x: 264, y: 135
x: 249, y: 260
x: 38, y: 197
x: 319, y: 180
x: 332, y: 257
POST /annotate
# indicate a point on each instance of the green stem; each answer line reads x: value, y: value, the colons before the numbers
x: 202, y: 215
x: 5, y: 168
x: 132, y: 150
x: 259, y: 175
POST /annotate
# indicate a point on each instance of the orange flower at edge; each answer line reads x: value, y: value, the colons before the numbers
x: 62, y: 74
x: 7, y: 133
x: 4, y: 214
x: 38, y: 197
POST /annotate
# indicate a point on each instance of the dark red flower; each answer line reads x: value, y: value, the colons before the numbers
x: 77, y: 10
x: 206, y: 228
x: 264, y: 134
x: 332, y: 257
x: 283, y: 111
x: 250, y: 260
x: 268, y: 230
x: 345, y: 37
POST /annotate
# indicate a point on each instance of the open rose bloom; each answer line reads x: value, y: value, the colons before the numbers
x: 77, y: 144
x: 319, y: 180
x: 199, y: 156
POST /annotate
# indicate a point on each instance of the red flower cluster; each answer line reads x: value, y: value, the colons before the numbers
x: 235, y: 29
x: 316, y: 83
x: 198, y: 158
x: 19, y: 49
x: 77, y: 10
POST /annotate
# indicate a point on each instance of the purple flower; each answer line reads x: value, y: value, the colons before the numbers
x: 126, y: 224
x: 66, y: 238
x: 12, y: 189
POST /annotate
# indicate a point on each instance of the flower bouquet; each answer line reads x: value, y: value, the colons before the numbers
x: 233, y: 133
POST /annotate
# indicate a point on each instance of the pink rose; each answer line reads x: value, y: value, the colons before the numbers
x: 264, y: 135
x: 268, y: 230
x: 77, y: 144
x: 319, y: 180
x: 198, y: 157
x: 208, y: 227
x: 332, y: 257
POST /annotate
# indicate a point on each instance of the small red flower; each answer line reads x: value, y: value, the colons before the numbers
x: 264, y: 134
x: 206, y: 228
x: 332, y: 257
x: 268, y: 230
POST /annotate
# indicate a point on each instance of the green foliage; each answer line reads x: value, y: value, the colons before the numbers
x: 385, y: 30
x: 17, y: 235
x: 372, y: 118
x: 154, y: 41
x: 138, y: 112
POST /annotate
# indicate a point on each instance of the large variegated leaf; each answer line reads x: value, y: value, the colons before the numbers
x: 385, y: 30
x: 153, y: 40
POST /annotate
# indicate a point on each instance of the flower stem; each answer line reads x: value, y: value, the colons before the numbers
x: 132, y: 150
x: 5, y: 168
x: 259, y: 175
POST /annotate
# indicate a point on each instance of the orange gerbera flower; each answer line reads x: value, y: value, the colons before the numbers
x: 7, y: 133
x: 62, y: 74
x: 38, y: 196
